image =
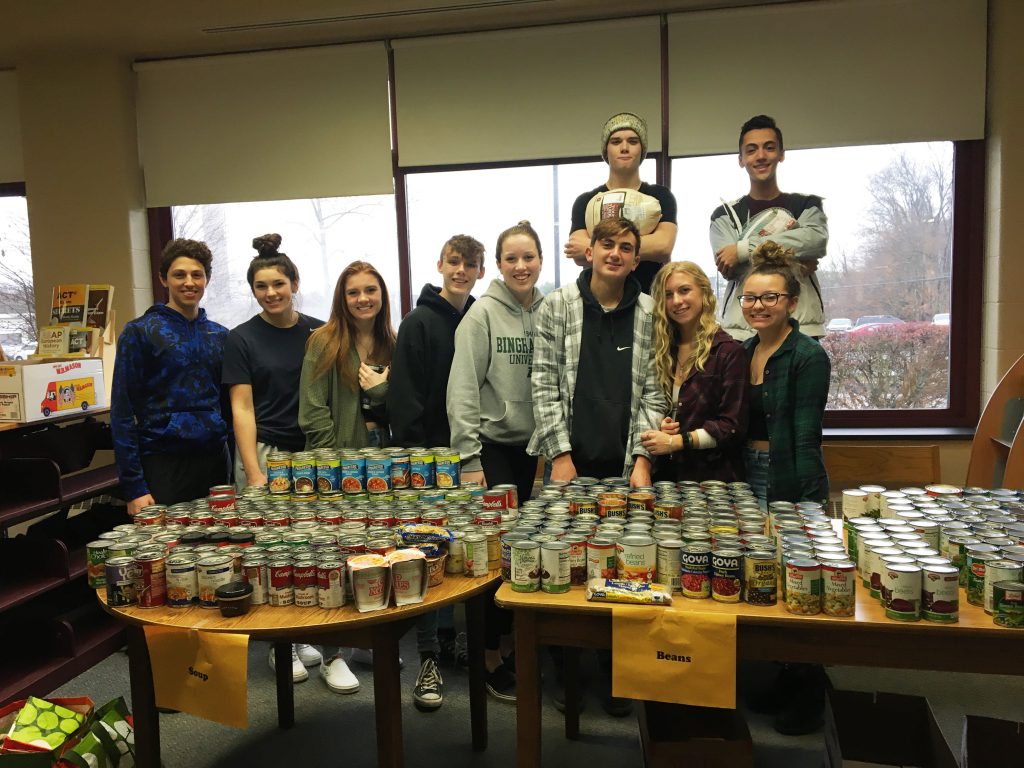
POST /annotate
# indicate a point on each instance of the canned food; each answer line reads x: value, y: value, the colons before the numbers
x: 256, y: 573
x: 455, y: 562
x: 446, y: 468
x: 667, y: 565
x: 940, y: 593
x: 1008, y: 604
x: 279, y: 472
x: 213, y: 571
x: 182, y: 580
x: 640, y: 501
x: 421, y: 469
x: 601, y: 559
x: 612, y: 508
x: 378, y: 473
x: 803, y: 586
x: 695, y: 570
x: 399, y: 469
x: 726, y: 573
x: 151, y: 579
x: 997, y: 571
x: 554, y: 566
x: 760, y: 578
x: 506, y: 552
x: 475, y: 554
x: 328, y: 471
x: 303, y: 473
x: 838, y: 588
x: 525, y: 572
x: 636, y: 558
x: 901, y: 592
x: 280, y: 590
x: 95, y: 563
x: 330, y: 583
x: 975, y: 565
x: 121, y: 576
x: 577, y: 558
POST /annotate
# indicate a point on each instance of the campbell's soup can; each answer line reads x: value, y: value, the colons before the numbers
x: 421, y: 469
x: 330, y: 581
x: 280, y: 590
x: 95, y: 563
x: 446, y: 467
x: 151, y: 515
x: 121, y: 577
x: 257, y: 574
x: 151, y: 579
x: 213, y: 571
x: 668, y: 563
x: 554, y: 566
x: 182, y: 580
x: 524, y: 565
x: 940, y: 593
x: 475, y: 554
x: 220, y: 503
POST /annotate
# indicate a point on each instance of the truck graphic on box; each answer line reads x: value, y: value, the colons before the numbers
x: 67, y: 395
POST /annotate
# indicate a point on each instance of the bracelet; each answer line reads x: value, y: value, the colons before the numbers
x: 687, y: 444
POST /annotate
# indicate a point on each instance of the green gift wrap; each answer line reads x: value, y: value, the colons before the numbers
x: 44, y: 724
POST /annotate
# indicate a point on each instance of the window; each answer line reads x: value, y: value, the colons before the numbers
x: 17, y: 294
x: 322, y: 236
x: 887, y: 277
x: 485, y: 202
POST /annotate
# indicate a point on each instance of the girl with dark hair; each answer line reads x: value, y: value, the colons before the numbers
x: 703, y: 371
x: 262, y: 362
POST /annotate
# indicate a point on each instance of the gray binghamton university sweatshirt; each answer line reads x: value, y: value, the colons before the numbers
x: 489, y: 386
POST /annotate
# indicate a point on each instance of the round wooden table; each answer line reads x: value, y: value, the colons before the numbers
x: 376, y: 630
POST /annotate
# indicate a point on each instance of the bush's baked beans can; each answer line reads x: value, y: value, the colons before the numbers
x: 640, y: 501
x: 668, y: 568
x: 280, y: 590
x: 612, y: 507
x: 601, y: 558
x: 524, y: 565
x: 121, y: 577
x: 95, y: 563
x: 213, y: 571
x: 940, y: 593
x: 257, y: 574
x: 668, y: 509
x: 330, y: 582
x: 475, y: 554
x: 554, y: 566
x: 760, y: 578
x: 151, y: 579
x: 182, y: 580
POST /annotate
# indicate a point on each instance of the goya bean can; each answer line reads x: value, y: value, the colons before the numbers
x: 554, y: 566
x: 726, y: 575
x: 524, y: 565
x: 695, y: 570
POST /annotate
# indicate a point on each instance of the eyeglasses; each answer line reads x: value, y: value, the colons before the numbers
x: 747, y: 300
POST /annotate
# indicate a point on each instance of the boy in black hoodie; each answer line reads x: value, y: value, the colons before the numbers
x: 418, y: 412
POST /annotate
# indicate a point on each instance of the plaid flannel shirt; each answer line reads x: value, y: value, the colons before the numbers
x: 796, y: 380
x: 556, y: 357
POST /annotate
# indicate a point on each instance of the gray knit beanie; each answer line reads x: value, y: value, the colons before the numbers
x: 620, y: 122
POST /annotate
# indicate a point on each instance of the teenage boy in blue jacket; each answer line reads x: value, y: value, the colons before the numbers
x: 169, y: 431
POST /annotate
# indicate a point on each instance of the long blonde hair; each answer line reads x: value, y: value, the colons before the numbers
x: 666, y: 333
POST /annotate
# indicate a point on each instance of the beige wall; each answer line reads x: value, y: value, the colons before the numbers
x: 85, y: 197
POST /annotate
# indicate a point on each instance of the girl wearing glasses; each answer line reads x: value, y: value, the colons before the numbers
x: 704, y: 372
x: 789, y: 377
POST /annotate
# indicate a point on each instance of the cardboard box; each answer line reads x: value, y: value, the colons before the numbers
x: 991, y: 743
x: 872, y: 730
x: 679, y: 735
x: 33, y: 390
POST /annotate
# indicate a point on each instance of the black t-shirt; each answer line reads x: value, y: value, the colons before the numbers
x: 270, y: 360
x: 646, y: 270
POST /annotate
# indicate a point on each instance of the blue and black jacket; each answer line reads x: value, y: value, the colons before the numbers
x: 166, y: 395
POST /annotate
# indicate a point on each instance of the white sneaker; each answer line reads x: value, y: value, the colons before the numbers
x: 364, y: 656
x: 338, y: 676
x: 308, y: 655
x: 299, y: 672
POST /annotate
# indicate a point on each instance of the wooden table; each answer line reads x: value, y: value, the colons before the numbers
x: 377, y: 630
x: 975, y: 644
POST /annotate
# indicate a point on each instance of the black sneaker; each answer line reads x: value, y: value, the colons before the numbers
x: 558, y: 698
x: 509, y: 662
x: 616, y: 706
x: 428, y: 692
x: 501, y: 684
x: 453, y: 651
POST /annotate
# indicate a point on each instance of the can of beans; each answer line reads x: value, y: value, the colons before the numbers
x: 612, y: 508
x: 940, y: 593
x: 121, y: 577
x: 151, y: 579
x: 182, y: 580
x: 803, y: 586
x: 726, y: 575
x: 601, y: 559
x: 760, y: 578
x: 838, y: 585
x: 280, y: 590
x: 996, y: 571
x: 668, y: 568
x: 524, y: 565
x: 475, y: 554
x: 901, y: 592
x: 695, y: 570
x: 554, y: 566
x: 213, y: 571
x: 95, y: 562
x: 665, y: 509
x: 577, y: 558
x: 330, y: 583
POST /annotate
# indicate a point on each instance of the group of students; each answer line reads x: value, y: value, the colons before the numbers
x: 598, y: 377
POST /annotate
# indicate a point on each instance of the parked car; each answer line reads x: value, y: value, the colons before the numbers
x: 876, y: 320
x: 942, y: 318
x: 839, y: 325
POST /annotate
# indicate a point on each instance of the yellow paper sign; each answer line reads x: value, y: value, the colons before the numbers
x: 202, y: 673
x: 678, y: 657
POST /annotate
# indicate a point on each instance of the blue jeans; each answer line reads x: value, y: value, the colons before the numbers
x: 376, y: 437
x: 758, y: 467
x: 426, y: 628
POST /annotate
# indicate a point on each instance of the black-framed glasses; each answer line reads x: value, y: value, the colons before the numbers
x: 770, y: 299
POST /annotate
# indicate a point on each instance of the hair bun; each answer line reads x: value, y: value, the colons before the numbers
x: 266, y: 245
x: 771, y: 254
x: 523, y: 223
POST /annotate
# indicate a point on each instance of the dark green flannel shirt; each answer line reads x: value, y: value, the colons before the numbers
x: 795, y: 391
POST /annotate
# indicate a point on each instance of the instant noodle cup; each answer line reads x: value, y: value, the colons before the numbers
x: 371, y: 583
x: 408, y: 576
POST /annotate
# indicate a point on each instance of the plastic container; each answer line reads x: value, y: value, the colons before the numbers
x: 234, y: 598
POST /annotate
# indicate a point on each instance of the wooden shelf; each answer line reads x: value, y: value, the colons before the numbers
x: 997, y: 452
x: 1002, y: 444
